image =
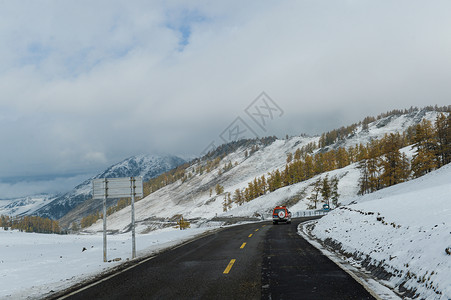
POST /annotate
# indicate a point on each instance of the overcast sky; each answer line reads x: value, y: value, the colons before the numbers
x: 85, y: 84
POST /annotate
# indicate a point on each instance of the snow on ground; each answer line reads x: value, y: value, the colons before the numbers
x: 406, y: 228
x: 32, y: 265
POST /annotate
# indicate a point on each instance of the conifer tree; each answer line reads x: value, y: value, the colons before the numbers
x: 424, y: 160
x: 238, y: 197
x: 263, y: 187
x: 219, y: 189
x: 342, y: 158
x: 393, y: 162
x: 297, y: 154
x: 289, y: 157
x: 247, y: 195
x: 308, y: 167
x: 318, y: 163
x: 326, y: 191
x: 229, y: 201
x: 364, y: 179
x: 314, y: 197
x: 334, y: 191
x: 443, y: 139
x: 225, y: 204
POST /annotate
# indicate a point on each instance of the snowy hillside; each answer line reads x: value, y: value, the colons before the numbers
x: 402, y: 233
x: 24, y: 205
x: 147, y: 166
x: 192, y: 198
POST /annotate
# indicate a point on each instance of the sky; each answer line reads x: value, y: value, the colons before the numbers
x: 86, y: 84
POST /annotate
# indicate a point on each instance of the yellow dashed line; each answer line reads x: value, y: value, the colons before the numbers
x: 250, y: 235
x: 263, y: 226
x: 256, y: 229
x: 229, y: 266
x: 242, y: 246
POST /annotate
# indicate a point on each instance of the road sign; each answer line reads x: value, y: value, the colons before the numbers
x: 117, y: 187
x: 104, y: 188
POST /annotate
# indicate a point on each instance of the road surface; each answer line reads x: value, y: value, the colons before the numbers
x: 252, y: 261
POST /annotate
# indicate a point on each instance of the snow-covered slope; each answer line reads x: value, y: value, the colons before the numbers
x: 147, y: 166
x: 404, y: 230
x: 24, y: 205
x: 192, y: 198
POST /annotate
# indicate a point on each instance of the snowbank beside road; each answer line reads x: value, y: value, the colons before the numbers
x: 36, y: 265
x: 404, y: 229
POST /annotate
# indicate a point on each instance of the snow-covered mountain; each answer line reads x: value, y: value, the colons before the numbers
x: 193, y: 198
x: 147, y: 166
x: 24, y: 205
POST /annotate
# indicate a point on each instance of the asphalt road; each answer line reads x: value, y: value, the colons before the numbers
x: 252, y: 261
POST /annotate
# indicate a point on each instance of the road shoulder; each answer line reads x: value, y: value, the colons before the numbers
x: 376, y: 288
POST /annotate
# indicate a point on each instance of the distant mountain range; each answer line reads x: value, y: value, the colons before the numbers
x: 55, y: 207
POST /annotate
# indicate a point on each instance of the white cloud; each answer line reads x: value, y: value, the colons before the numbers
x: 95, y: 157
x: 26, y: 187
x: 85, y: 84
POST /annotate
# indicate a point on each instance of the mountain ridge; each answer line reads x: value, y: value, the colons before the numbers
x: 145, y: 165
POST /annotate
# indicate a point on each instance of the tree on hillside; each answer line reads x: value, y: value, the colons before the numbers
x: 314, y: 197
x: 342, y: 158
x: 326, y: 191
x: 238, y: 197
x: 334, y: 191
x: 443, y: 139
x: 297, y: 154
x: 370, y: 167
x: 227, y: 203
x: 219, y: 189
x: 396, y: 167
x: 289, y: 157
x: 364, y: 179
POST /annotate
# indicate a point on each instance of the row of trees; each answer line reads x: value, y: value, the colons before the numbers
x: 384, y: 165
x: 336, y: 135
x: 213, y: 158
x: 381, y: 162
x: 324, y: 190
x: 30, y: 224
x: 88, y: 220
x: 164, y: 179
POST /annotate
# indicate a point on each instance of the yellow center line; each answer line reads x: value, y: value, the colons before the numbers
x: 250, y: 235
x: 263, y: 225
x: 256, y: 229
x: 229, y: 266
x: 242, y: 246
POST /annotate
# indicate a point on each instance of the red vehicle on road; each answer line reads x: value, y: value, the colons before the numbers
x: 281, y: 214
